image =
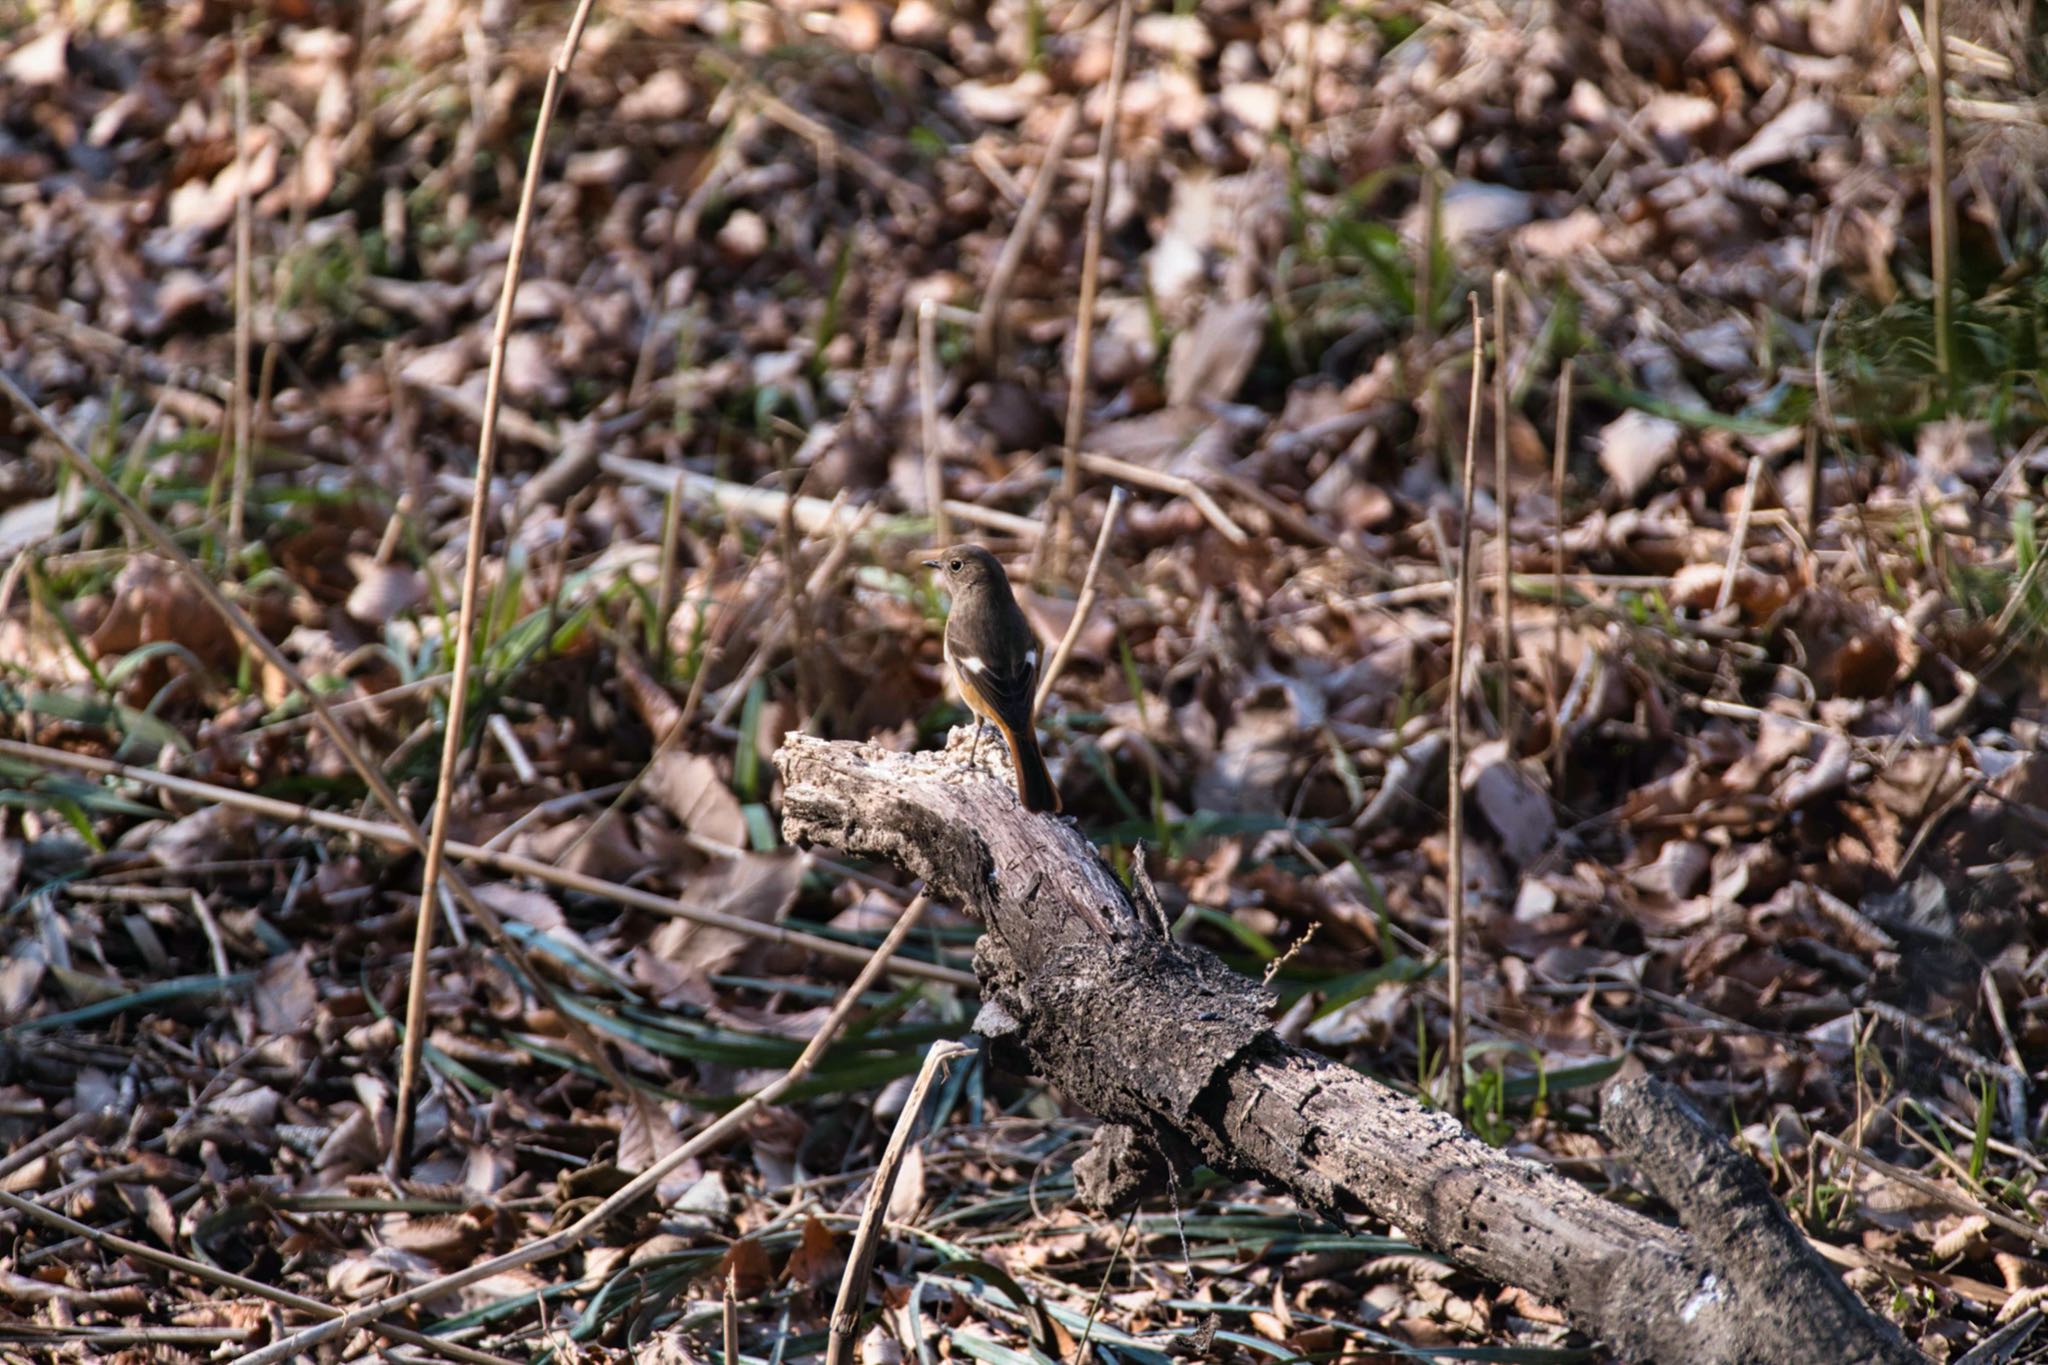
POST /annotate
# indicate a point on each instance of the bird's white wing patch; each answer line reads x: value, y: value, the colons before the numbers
x: 1031, y: 658
x: 970, y: 663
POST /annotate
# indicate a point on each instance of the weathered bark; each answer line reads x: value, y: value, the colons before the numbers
x: 1169, y: 1046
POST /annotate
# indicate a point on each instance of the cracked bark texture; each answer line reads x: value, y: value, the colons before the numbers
x: 1173, y: 1050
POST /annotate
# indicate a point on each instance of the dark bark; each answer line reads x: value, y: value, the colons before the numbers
x: 1173, y: 1050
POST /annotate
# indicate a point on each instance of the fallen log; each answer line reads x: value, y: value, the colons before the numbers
x: 1082, y: 985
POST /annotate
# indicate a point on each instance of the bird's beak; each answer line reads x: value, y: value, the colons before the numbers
x: 931, y: 563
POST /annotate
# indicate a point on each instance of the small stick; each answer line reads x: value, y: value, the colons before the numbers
x: 393, y: 836
x: 731, y: 1315
x: 907, y: 200
x: 1824, y: 402
x: 1741, y: 536
x: 867, y: 1237
x: 1941, y: 209
x: 1109, y: 467
x: 1091, y: 273
x: 1811, y: 527
x: 1935, y: 1190
x: 1505, y: 538
x: 465, y: 619
x: 733, y: 1121
x: 238, y: 499
x: 1425, y: 304
x: 814, y: 516
x: 680, y: 724
x: 1102, y: 1289
x: 1461, y: 612
x: 1082, y: 603
x: 211, y: 928
x: 154, y: 371
x: 1724, y: 671
x: 86, y: 1122
x: 989, y: 331
x: 1559, y: 451
x: 665, y: 580
x: 928, y: 410
x: 207, y: 1274
x: 778, y: 633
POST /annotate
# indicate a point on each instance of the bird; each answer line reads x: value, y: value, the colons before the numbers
x: 994, y: 657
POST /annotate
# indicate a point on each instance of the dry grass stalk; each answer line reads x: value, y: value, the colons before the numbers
x: 778, y: 634
x: 867, y: 1238
x: 1739, y: 540
x: 907, y: 200
x: 1503, y: 509
x: 1810, y: 523
x: 1102, y: 1289
x: 1084, y: 602
x: 1935, y: 1190
x: 928, y: 424
x: 1941, y: 209
x: 665, y: 580
x: 680, y: 725
x: 245, y: 307
x: 237, y: 620
x: 729, y: 1316
x: 732, y: 1122
x: 1560, y: 452
x: 1824, y: 405
x: 1425, y: 311
x: 814, y: 516
x: 394, y: 837
x: 1109, y: 467
x: 50, y: 1141
x: 990, y: 332
x: 207, y: 1274
x: 1461, y: 615
x: 465, y: 619
x: 152, y: 371
x: 1091, y: 273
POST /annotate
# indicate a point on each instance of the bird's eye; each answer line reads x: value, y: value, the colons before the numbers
x: 954, y: 566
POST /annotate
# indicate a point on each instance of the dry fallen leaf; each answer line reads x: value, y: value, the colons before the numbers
x: 689, y: 787
x: 1634, y: 448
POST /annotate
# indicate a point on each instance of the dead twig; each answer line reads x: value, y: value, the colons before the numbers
x: 1084, y: 602
x: 208, y: 1274
x: 1461, y: 612
x: 1503, y: 507
x: 1109, y: 467
x: 644, y: 1184
x: 76, y: 1125
x: 1935, y: 1190
x: 465, y: 617
x: 1091, y: 273
x: 928, y: 423
x: 778, y: 633
x: 1941, y: 228
x: 408, y: 829
x: 392, y: 836
x: 729, y: 1315
x: 867, y: 1238
x: 1560, y: 450
x: 813, y: 515
x: 989, y: 330
x: 906, y: 200
x: 238, y: 497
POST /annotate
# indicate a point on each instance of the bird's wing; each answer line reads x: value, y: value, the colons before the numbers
x: 1007, y: 678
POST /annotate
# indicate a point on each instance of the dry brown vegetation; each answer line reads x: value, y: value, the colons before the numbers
x: 1756, y: 808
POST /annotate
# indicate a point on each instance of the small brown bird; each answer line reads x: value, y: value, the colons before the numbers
x: 994, y: 658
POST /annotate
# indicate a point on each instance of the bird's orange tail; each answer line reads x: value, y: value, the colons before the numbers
x: 1034, y: 783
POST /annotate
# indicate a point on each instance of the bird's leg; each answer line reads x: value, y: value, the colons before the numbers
x: 974, y: 749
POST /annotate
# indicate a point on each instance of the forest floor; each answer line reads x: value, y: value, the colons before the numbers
x: 1756, y: 807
